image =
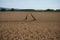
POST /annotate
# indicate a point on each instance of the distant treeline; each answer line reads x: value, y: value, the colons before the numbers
x: 12, y: 9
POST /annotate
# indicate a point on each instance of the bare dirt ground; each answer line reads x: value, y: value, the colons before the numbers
x: 24, y: 26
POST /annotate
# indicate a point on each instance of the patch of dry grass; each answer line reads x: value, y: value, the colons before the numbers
x: 30, y: 30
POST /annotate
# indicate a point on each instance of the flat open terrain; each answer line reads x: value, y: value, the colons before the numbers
x: 29, y: 25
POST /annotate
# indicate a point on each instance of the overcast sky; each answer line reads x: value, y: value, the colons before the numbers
x: 31, y: 4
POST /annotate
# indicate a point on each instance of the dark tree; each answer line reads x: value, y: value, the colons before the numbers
x: 12, y: 9
x: 58, y: 10
x: 49, y: 10
x: 3, y: 9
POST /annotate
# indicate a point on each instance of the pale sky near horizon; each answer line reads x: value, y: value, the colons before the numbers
x: 30, y: 4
